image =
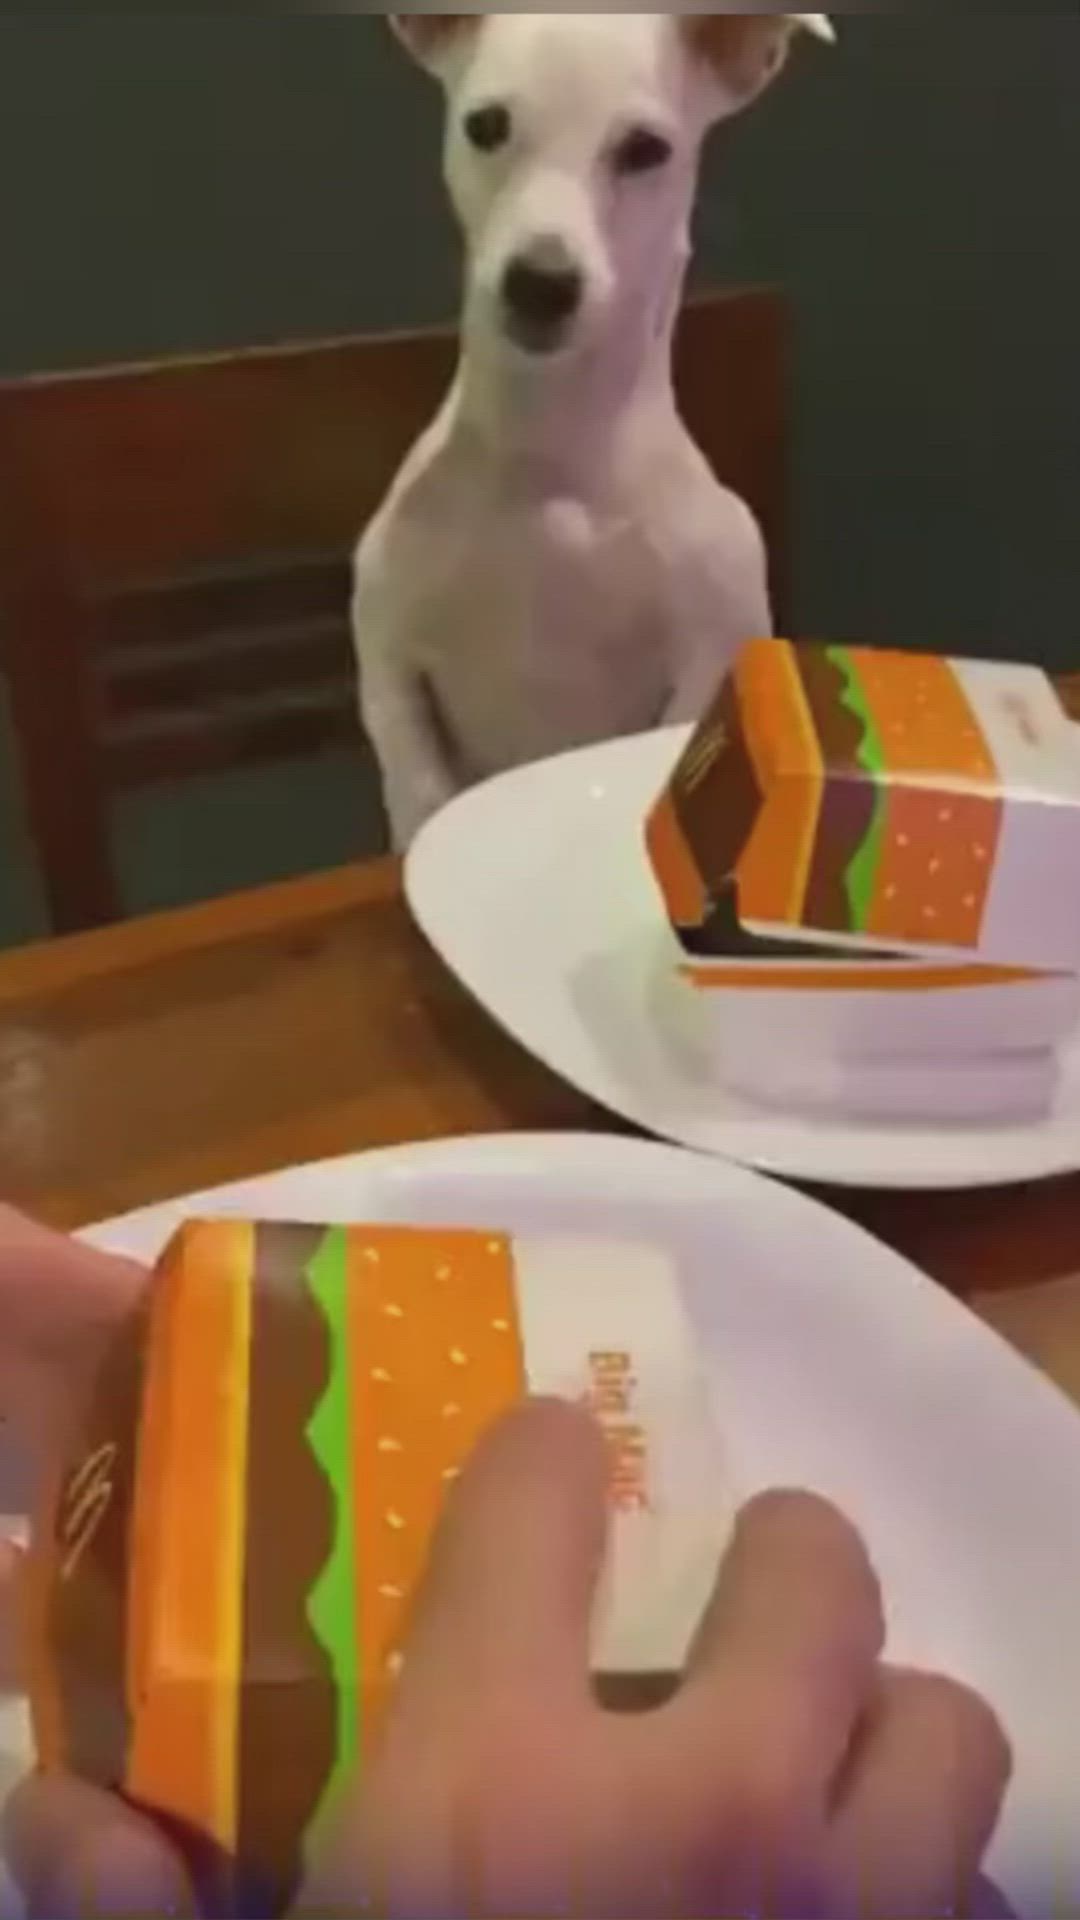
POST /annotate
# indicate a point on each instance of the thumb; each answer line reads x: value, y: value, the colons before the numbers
x: 59, y: 1301
x: 54, y: 1289
x: 509, y: 1594
x: 78, y: 1854
x: 12, y: 1564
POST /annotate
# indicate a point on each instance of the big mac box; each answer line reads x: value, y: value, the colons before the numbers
x: 222, y: 1579
x: 871, y: 863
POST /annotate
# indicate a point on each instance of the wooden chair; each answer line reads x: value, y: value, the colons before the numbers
x: 174, y: 546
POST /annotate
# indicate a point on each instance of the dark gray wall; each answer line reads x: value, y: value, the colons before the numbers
x: 187, y: 182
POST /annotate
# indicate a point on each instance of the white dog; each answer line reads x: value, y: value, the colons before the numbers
x: 556, y: 564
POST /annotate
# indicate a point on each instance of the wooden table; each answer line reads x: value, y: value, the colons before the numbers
x: 310, y: 1020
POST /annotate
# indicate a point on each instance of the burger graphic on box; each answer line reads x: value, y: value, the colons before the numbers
x: 223, y: 1575
x: 853, y: 823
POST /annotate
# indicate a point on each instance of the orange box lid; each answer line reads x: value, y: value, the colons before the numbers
x: 880, y: 803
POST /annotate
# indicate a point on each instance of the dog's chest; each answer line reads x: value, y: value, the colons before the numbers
x: 536, y: 631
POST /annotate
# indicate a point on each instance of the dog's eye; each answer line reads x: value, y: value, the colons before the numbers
x: 488, y: 128
x: 642, y: 151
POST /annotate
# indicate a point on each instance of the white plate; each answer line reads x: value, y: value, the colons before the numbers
x: 836, y: 1366
x: 536, y: 892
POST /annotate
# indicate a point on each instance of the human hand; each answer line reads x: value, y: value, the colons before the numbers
x: 791, y: 1775
x: 59, y: 1303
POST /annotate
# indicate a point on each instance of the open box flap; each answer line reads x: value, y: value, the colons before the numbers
x: 840, y: 800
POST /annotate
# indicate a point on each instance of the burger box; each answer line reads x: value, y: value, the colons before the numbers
x: 871, y: 863
x: 223, y: 1574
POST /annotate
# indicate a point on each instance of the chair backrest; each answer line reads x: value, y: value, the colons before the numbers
x: 174, y: 547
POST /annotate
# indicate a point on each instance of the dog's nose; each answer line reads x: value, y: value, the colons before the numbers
x: 541, y: 296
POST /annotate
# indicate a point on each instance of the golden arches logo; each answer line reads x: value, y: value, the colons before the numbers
x: 702, y: 757
x: 84, y: 1504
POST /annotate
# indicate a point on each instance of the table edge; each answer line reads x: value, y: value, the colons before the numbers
x: 48, y: 967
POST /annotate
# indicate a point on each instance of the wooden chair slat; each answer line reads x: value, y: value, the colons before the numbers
x: 216, y: 740
x: 263, y: 595
x: 230, y: 662
x: 177, y: 540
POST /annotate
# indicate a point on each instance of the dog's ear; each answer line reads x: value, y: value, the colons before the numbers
x: 431, y: 37
x: 746, y: 51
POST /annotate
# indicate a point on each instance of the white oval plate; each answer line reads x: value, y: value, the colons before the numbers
x: 536, y: 892
x: 836, y: 1366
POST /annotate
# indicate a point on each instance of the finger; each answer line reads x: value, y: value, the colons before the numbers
x: 498, y: 1655
x: 930, y: 1769
x: 12, y: 1562
x: 989, y: 1903
x: 77, y: 1853
x: 512, y: 1581
x: 58, y: 1302
x: 54, y: 1289
x: 786, y: 1655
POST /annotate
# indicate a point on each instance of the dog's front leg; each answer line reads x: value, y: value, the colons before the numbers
x: 398, y: 716
x: 395, y: 705
x: 716, y: 597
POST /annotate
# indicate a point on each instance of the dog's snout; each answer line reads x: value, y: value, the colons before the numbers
x: 543, y: 290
